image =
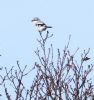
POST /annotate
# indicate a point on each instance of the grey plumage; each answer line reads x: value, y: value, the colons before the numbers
x: 41, y: 26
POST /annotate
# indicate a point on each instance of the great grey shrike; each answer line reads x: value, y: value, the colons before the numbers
x: 41, y: 26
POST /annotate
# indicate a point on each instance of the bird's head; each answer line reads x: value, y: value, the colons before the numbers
x: 35, y: 19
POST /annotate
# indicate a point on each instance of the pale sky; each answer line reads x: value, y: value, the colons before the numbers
x: 18, y: 35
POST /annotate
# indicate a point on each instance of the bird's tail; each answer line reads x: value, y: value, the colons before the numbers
x: 49, y: 26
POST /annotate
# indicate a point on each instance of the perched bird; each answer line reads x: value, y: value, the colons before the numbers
x: 85, y: 58
x: 41, y: 26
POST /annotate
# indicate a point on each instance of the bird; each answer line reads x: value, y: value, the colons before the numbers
x: 41, y: 26
x: 85, y: 58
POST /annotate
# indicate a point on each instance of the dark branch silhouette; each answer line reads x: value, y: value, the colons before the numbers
x: 63, y: 78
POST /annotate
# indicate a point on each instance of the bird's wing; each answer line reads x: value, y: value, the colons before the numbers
x: 40, y: 24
